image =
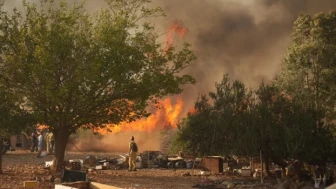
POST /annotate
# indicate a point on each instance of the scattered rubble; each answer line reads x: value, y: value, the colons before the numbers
x: 209, y: 172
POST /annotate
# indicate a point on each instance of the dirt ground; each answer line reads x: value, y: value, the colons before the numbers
x: 20, y: 166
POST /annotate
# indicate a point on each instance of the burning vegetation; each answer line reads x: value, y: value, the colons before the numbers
x: 164, y: 116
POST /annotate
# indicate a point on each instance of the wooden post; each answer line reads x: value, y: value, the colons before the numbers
x: 251, y: 166
x: 262, y: 168
x: 1, y: 148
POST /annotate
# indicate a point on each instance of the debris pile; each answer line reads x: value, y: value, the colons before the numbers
x: 153, y: 159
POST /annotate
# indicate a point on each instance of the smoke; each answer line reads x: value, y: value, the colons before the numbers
x: 244, y: 38
x: 117, y: 142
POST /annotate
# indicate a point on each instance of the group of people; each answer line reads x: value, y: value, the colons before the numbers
x: 48, y: 137
x: 37, y: 142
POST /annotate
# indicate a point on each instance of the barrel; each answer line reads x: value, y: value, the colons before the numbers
x: 189, y: 165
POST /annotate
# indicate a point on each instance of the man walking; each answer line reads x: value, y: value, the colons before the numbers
x: 133, y: 149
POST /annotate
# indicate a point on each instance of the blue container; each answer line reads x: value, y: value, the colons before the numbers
x: 189, y: 165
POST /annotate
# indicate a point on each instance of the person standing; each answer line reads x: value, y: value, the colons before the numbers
x: 40, y: 140
x: 47, y: 141
x: 133, y: 149
x: 51, y: 142
x: 34, y: 142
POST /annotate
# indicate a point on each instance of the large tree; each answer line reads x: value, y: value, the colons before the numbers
x: 76, y: 70
x: 307, y: 74
x: 235, y: 121
x: 215, y: 125
x: 309, y: 65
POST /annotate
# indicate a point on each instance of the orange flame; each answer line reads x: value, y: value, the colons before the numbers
x: 177, y: 28
x: 42, y: 127
x: 165, y: 117
x: 193, y: 111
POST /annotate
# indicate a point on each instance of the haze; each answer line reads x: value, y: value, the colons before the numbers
x: 244, y: 38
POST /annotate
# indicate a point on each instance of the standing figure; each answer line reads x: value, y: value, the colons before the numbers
x: 47, y: 141
x: 34, y: 142
x: 40, y: 140
x: 133, y: 149
x: 51, y: 142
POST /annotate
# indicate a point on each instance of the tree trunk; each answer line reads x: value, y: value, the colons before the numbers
x: 297, y: 166
x: 267, y: 166
x: 1, y: 146
x: 61, y: 141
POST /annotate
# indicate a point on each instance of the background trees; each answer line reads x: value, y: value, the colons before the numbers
x: 307, y: 74
x: 290, y: 118
x: 266, y: 120
x: 13, y: 117
x: 308, y: 68
x: 75, y: 70
x: 72, y: 70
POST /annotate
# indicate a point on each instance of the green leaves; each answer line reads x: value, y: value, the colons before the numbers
x: 75, y: 69
x: 244, y: 122
x: 309, y: 63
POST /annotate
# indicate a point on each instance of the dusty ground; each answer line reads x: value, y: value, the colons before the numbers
x: 20, y: 166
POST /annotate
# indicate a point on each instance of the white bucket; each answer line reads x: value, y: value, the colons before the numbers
x: 138, y: 165
x: 317, y: 184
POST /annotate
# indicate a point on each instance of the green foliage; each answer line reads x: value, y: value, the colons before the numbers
x: 308, y: 69
x: 13, y: 118
x: 244, y: 123
x: 307, y: 74
x: 211, y: 129
x: 12, y: 121
x: 78, y: 70
x: 292, y: 118
x: 73, y: 70
x: 195, y: 127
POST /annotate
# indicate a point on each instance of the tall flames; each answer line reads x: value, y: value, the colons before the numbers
x: 166, y: 117
x: 175, y: 28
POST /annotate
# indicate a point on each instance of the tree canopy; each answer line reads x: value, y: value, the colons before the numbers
x: 73, y: 69
x: 237, y: 121
x: 309, y: 65
x: 292, y: 117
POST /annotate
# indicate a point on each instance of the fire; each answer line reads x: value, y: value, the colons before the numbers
x: 177, y: 28
x: 192, y: 111
x: 165, y: 117
x: 42, y: 127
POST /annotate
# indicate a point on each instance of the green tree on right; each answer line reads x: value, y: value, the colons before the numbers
x: 307, y: 76
x: 308, y: 69
x: 292, y: 118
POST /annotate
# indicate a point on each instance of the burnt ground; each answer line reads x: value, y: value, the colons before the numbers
x: 20, y: 166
